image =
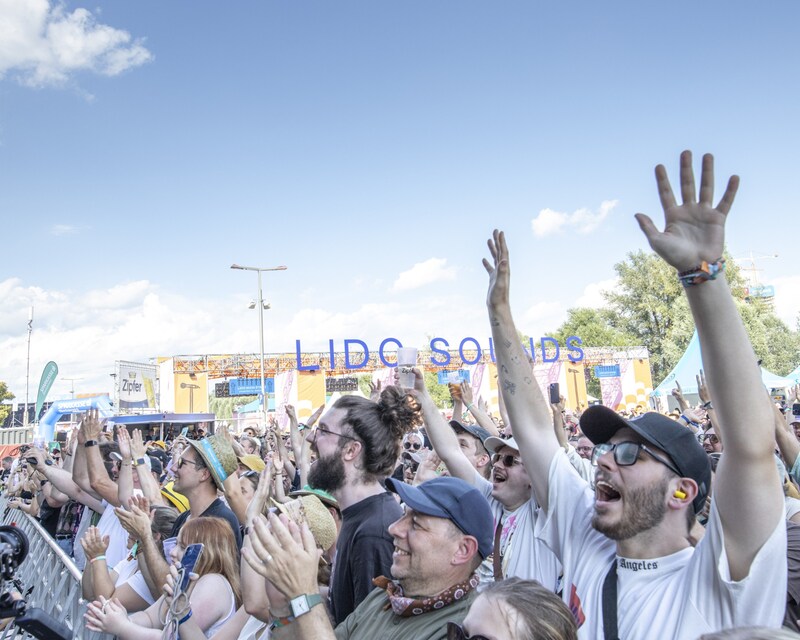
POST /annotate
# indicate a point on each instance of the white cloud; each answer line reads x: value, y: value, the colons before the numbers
x: 582, y: 220
x: 44, y: 44
x: 422, y: 273
x: 787, y: 299
x: 63, y: 230
x: 592, y: 295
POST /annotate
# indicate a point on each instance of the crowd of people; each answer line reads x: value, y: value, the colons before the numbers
x: 381, y: 518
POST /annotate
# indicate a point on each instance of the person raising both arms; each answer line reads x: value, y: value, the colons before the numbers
x: 629, y: 569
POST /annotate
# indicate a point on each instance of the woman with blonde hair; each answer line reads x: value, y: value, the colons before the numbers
x: 212, y: 602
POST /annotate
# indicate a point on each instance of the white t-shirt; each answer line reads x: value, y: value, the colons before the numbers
x: 584, y: 467
x: 523, y: 555
x: 125, y: 568
x: 680, y: 596
x: 110, y: 526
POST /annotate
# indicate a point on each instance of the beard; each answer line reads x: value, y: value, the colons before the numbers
x: 643, y: 509
x: 327, y: 473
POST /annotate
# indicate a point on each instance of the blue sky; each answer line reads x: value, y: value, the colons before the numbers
x: 371, y: 147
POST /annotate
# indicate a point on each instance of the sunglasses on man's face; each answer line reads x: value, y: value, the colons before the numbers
x: 507, y: 459
x: 183, y: 461
x: 456, y: 632
x: 412, y: 445
x: 712, y: 438
x: 627, y: 454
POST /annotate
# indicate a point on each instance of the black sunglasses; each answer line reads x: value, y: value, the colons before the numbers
x: 409, y: 445
x: 507, y: 459
x: 183, y: 461
x: 456, y: 632
x: 627, y: 453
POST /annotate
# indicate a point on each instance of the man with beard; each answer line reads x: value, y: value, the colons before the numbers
x: 357, y: 444
x: 629, y: 568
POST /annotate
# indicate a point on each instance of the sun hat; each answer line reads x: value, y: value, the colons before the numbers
x: 252, y: 462
x: 309, y: 508
x: 217, y: 454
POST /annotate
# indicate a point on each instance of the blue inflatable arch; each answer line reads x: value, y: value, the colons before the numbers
x: 47, y: 425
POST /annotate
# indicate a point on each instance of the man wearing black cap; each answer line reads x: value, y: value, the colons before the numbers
x: 471, y: 439
x: 629, y: 568
x: 438, y: 543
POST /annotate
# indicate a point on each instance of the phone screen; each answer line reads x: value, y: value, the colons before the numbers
x: 184, y: 431
x: 190, y: 557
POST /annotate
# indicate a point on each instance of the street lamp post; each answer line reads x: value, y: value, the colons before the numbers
x: 259, y: 270
x: 191, y: 387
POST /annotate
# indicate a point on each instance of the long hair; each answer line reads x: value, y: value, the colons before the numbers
x: 220, y: 553
x: 381, y: 426
x: 540, y: 614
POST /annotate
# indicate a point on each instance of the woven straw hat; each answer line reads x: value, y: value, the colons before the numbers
x: 319, y: 519
x: 252, y: 462
x: 217, y: 454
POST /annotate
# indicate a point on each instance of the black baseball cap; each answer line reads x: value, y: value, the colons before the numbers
x: 600, y: 423
x: 472, y: 429
x: 455, y: 500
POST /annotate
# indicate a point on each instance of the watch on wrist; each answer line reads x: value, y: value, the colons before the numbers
x: 302, y: 604
x: 90, y: 443
x: 138, y: 461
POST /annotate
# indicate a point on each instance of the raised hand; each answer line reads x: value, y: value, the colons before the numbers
x: 374, y: 390
x: 694, y: 231
x: 94, y: 544
x: 91, y: 425
x: 315, y: 416
x: 466, y: 393
x: 290, y: 413
x: 138, y: 449
x: 259, y: 502
x: 702, y: 388
x: 499, y: 271
x: 124, y: 441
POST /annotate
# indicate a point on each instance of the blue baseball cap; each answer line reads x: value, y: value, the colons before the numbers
x: 455, y: 500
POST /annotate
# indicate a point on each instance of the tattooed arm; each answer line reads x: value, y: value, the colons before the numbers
x: 527, y: 408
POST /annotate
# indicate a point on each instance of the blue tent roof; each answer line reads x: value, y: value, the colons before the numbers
x: 691, y: 363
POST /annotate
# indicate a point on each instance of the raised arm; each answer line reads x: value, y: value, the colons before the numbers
x: 443, y: 438
x: 105, y: 487
x: 147, y: 482
x: 527, y: 408
x: 481, y: 417
x: 747, y: 489
x: 125, y: 478
x: 63, y: 482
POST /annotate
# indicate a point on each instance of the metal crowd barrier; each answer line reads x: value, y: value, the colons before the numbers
x: 55, y: 579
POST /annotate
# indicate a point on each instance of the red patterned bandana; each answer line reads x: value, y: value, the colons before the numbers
x: 407, y: 607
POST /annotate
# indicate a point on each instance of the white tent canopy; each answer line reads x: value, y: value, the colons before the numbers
x: 690, y: 364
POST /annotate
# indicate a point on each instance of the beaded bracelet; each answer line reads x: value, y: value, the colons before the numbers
x: 698, y: 275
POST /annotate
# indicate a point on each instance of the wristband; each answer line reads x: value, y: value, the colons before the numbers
x: 90, y: 443
x: 186, y: 617
x: 280, y: 621
x: 705, y: 271
x: 683, y: 417
x: 97, y: 558
x: 707, y: 405
x: 302, y: 426
x: 469, y: 406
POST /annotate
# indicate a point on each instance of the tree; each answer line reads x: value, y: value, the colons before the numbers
x: 650, y: 306
x: 5, y: 394
x: 594, y: 328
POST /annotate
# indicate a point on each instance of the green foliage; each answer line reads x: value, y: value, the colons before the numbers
x: 5, y: 394
x: 594, y: 327
x: 648, y: 307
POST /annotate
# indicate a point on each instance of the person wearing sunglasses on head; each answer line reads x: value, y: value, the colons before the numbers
x: 630, y: 570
